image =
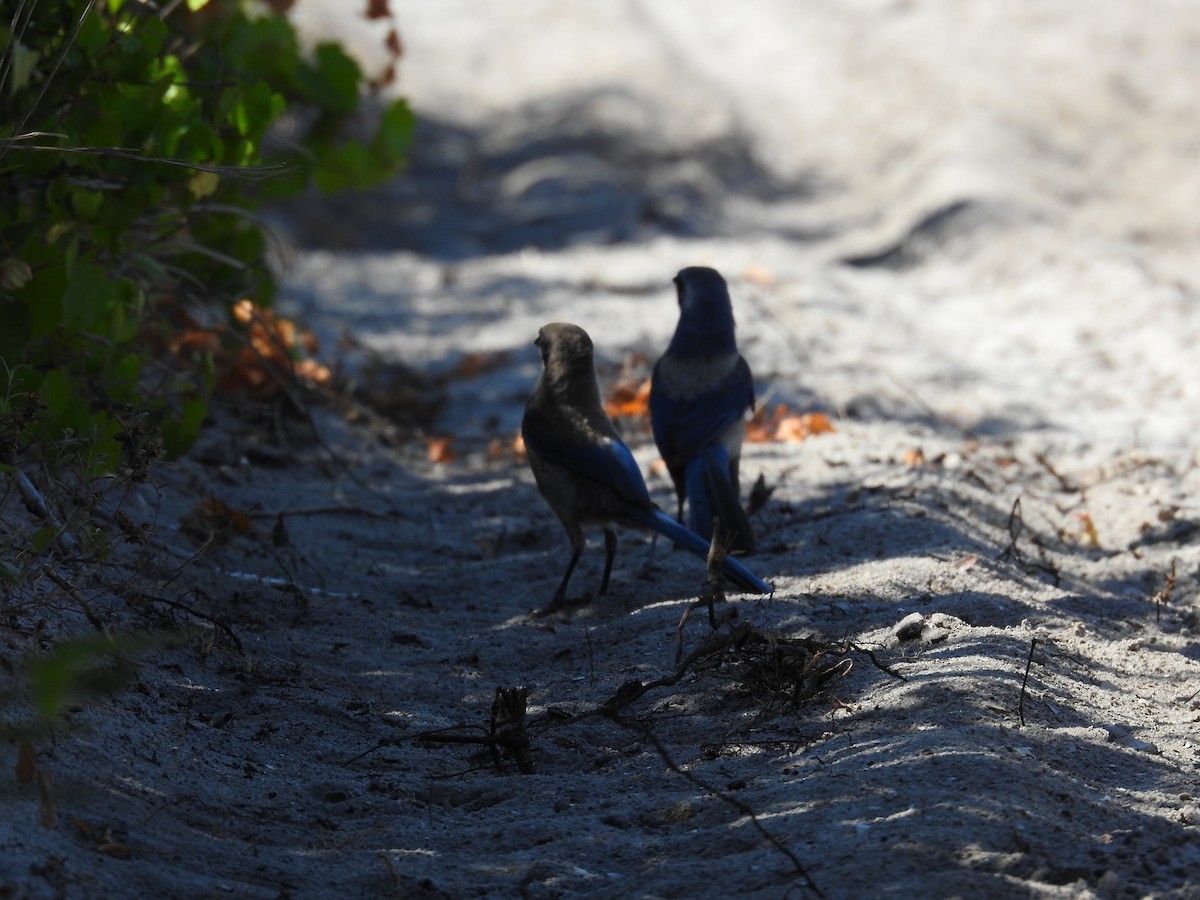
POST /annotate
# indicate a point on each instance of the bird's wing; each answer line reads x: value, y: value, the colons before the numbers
x: 684, y: 425
x: 602, y: 458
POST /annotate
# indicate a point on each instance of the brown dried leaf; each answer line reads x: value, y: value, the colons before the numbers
x: 394, y: 44
x: 217, y: 515
x: 47, y: 808
x: 115, y: 849
x: 473, y: 365
x: 914, y: 457
x: 86, y: 829
x: 26, y: 763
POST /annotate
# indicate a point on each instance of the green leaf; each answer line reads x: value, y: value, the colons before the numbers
x: 89, y: 296
x: 44, y: 537
x: 80, y: 670
x: 24, y: 63
x: 333, y: 83
x: 44, y: 299
x: 395, y: 132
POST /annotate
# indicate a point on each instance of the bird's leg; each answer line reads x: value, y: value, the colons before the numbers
x: 561, y: 594
x: 610, y: 553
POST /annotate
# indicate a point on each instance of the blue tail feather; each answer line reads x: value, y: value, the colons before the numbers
x: 711, y: 494
x: 687, y: 539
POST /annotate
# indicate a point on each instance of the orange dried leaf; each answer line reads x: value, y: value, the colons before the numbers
x: 196, y: 340
x: 782, y: 425
x: 313, y: 372
x: 1088, y: 536
x: 818, y: 423
x: 799, y: 428
x: 762, y: 425
x: 440, y: 449
x: 629, y: 399
x: 914, y: 457
x: 243, y: 311
x: 758, y: 275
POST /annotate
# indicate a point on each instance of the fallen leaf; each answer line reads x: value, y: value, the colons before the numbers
x: 914, y: 457
x: 313, y: 372
x: 799, y: 428
x: 213, y: 519
x: 86, y: 829
x: 47, y: 808
x: 221, y: 512
x: 1089, y: 536
x: 378, y: 9
x: 758, y: 275
x: 440, y: 449
x: 780, y: 424
x: 629, y: 399
x: 26, y: 763
x: 472, y: 365
x: 115, y: 849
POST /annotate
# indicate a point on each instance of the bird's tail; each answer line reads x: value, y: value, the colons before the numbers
x: 683, y: 537
x: 711, y: 495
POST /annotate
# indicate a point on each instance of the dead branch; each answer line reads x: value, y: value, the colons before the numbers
x: 36, y: 504
x: 1164, y: 595
x: 1015, y: 525
x: 224, y: 626
x: 506, y: 734
x: 74, y: 593
x: 742, y: 807
x: 1025, y: 681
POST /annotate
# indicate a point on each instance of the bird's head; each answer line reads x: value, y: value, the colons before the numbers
x: 564, y: 347
x: 705, y: 313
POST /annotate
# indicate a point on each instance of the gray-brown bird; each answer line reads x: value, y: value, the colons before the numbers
x: 584, y: 470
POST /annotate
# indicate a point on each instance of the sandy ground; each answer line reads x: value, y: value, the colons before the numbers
x: 963, y: 231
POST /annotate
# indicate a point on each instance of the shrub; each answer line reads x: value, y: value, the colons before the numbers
x: 131, y: 158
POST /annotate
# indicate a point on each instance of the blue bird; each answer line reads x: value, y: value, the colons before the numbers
x: 583, y: 469
x: 700, y: 392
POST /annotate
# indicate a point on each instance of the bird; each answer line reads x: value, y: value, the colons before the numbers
x: 583, y: 469
x: 700, y: 392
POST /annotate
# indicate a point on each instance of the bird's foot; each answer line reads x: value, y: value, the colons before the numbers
x: 562, y: 604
